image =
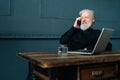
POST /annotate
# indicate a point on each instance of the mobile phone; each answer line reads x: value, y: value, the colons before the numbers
x: 79, y: 22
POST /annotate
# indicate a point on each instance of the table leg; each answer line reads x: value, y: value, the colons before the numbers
x: 119, y: 70
x: 30, y: 75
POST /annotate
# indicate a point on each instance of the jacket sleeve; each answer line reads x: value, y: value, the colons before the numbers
x: 67, y: 35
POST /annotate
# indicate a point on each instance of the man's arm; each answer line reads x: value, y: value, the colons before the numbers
x: 67, y: 35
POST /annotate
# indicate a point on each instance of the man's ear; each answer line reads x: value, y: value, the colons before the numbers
x: 93, y: 20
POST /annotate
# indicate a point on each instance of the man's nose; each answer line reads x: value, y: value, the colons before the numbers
x: 83, y: 20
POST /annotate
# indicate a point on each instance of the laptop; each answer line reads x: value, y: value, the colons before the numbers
x: 100, y: 45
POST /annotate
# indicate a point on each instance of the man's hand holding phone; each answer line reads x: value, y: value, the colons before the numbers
x: 77, y: 22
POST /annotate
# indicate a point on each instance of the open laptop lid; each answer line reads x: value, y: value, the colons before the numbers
x: 103, y: 40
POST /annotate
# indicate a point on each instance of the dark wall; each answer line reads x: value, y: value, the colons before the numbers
x: 36, y: 25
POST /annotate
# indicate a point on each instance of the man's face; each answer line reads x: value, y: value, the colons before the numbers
x: 86, y: 20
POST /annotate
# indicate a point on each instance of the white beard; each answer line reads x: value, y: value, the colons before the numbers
x: 85, y: 26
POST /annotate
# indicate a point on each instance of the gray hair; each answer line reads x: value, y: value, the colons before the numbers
x: 87, y: 10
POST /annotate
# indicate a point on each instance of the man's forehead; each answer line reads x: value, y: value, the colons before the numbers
x: 86, y: 14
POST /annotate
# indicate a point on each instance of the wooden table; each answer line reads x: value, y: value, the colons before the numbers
x: 50, y: 66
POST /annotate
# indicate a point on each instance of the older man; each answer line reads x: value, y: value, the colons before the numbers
x: 82, y: 35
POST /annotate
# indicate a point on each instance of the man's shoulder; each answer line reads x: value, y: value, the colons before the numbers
x: 96, y: 30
